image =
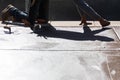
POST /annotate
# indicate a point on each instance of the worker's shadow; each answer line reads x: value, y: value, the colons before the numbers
x: 88, y: 34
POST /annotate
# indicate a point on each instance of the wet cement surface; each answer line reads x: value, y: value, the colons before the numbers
x: 67, y: 53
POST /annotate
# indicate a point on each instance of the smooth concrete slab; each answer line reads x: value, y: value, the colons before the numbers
x: 58, y: 65
x: 73, y: 38
x: 67, y: 53
x: 52, y: 65
x: 76, y: 23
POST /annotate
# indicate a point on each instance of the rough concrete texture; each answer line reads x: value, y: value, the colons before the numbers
x: 67, y: 53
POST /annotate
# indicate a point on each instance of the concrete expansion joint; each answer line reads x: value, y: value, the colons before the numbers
x: 108, y: 68
x: 118, y: 36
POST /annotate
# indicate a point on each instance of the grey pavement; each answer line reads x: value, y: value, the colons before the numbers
x: 71, y: 52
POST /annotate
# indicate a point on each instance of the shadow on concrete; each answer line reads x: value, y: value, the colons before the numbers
x: 50, y: 31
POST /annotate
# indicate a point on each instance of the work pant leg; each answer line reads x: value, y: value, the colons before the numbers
x: 87, y: 9
x: 34, y: 11
x: 44, y: 10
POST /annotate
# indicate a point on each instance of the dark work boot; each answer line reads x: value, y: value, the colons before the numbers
x: 5, y: 13
x: 104, y: 22
x: 17, y: 14
x: 84, y: 21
